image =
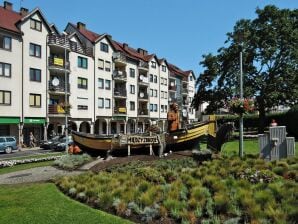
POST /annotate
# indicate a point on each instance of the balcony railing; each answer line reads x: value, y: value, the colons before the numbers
x: 143, y: 112
x: 143, y: 65
x: 66, y: 43
x: 58, y: 63
x: 57, y: 109
x: 120, y: 110
x: 119, y: 75
x: 119, y: 58
x: 143, y: 80
x: 120, y: 92
x: 58, y: 86
x: 143, y: 95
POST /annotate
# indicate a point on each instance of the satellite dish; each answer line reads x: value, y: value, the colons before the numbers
x: 172, y: 83
x: 141, y: 94
x: 141, y: 77
x: 184, y: 113
x: 55, y: 81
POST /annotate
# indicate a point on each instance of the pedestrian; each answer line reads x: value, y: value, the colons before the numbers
x: 32, y: 140
x: 273, y: 123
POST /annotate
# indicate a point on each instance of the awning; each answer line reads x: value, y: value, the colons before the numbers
x: 9, y: 120
x: 34, y: 120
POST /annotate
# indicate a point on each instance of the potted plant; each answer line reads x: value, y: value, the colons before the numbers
x: 241, y: 106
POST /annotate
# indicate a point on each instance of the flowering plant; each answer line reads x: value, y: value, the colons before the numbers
x: 241, y: 106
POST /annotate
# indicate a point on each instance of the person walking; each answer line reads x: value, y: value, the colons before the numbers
x: 32, y: 139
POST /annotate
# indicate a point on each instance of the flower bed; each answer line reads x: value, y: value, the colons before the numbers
x: 227, y: 190
x: 9, y: 163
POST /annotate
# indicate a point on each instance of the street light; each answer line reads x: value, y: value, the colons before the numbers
x: 241, y: 98
x: 65, y: 100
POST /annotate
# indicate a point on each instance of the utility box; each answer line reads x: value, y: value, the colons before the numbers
x: 276, y: 145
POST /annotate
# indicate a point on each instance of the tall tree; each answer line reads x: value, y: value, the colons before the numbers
x: 270, y: 63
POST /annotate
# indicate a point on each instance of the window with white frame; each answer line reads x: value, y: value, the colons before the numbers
x: 5, y: 69
x: 100, y: 64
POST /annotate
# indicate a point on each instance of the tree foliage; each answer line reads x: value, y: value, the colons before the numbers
x: 269, y: 45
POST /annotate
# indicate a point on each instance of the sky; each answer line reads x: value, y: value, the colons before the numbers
x: 179, y: 30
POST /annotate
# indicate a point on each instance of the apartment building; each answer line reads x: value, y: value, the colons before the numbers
x: 97, y: 84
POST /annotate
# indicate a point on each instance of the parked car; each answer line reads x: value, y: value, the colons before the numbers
x: 8, y: 144
x: 49, y: 144
x: 61, y: 144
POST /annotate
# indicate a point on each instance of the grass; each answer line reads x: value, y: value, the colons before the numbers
x: 24, y: 167
x: 37, y: 156
x: 18, y: 204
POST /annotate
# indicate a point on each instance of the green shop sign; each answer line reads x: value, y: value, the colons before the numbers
x: 9, y: 120
x: 34, y: 120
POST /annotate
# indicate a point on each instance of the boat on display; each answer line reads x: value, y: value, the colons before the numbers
x: 175, y: 138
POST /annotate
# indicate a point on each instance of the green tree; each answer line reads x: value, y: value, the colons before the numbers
x: 270, y: 63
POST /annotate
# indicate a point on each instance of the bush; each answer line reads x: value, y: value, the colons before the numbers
x: 70, y: 162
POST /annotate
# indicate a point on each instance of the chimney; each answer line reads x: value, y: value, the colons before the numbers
x: 141, y: 51
x: 125, y: 46
x: 81, y: 26
x: 8, y: 5
x: 145, y: 52
x: 24, y: 11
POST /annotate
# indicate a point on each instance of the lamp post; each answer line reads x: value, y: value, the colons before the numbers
x: 241, y: 98
x: 65, y: 85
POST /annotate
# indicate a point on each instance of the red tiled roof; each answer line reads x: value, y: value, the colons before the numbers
x: 88, y: 34
x: 8, y: 19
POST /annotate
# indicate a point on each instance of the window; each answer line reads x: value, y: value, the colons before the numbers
x: 153, y: 64
x: 82, y: 83
x: 155, y: 107
x: 165, y: 82
x: 132, y: 72
x: 100, y: 102
x: 164, y: 68
x: 151, y: 92
x: 35, y: 75
x: 35, y: 24
x: 151, y: 78
x: 108, y: 66
x: 151, y: 107
x: 82, y: 107
x: 166, y: 95
x: 132, y: 89
x: 104, y: 47
x: 108, y: 84
x: 162, y: 108
x: 100, y: 83
x: 155, y: 79
x: 162, y: 94
x: 5, y: 97
x: 5, y: 42
x: 100, y: 64
x: 190, y: 78
x: 5, y: 69
x: 35, y: 100
x: 155, y: 92
x: 82, y: 62
x: 35, y: 50
x: 108, y: 103
x: 132, y: 105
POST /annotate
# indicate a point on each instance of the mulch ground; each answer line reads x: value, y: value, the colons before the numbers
x: 123, y: 160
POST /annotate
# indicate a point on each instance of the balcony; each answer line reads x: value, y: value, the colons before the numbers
x: 143, y: 80
x: 88, y: 51
x: 144, y: 66
x: 119, y: 75
x: 120, y: 111
x: 60, y: 41
x: 172, y: 88
x: 57, y: 110
x: 120, y: 93
x: 143, y: 112
x: 57, y: 86
x: 143, y: 96
x: 119, y: 59
x: 56, y: 63
x: 184, y: 91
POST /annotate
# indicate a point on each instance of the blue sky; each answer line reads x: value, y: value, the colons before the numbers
x: 179, y: 30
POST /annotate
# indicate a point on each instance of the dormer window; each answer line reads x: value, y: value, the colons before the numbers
x: 164, y: 68
x: 35, y: 24
x: 190, y: 78
x: 104, y: 47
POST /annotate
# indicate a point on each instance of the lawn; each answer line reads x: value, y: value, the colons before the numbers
x: 24, y: 167
x: 44, y: 203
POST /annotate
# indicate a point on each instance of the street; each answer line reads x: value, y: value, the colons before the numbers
x: 25, y: 152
